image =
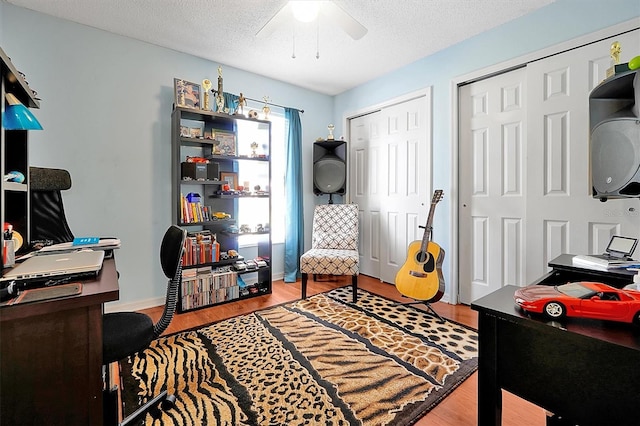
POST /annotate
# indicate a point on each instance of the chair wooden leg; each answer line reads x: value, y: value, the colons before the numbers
x: 354, y: 283
x: 304, y: 285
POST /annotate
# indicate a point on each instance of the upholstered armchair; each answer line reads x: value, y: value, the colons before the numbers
x: 334, y: 245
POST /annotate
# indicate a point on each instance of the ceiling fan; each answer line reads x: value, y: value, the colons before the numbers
x: 308, y: 11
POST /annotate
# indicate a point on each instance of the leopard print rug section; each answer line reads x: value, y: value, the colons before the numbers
x: 319, y: 361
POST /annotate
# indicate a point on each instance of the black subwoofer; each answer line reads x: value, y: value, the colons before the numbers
x: 614, y: 124
x: 615, y: 158
x: 329, y: 167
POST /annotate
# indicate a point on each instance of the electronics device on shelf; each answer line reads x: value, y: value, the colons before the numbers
x: 57, y: 266
x: 617, y: 254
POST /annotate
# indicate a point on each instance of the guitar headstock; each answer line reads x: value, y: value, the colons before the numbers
x: 437, y: 196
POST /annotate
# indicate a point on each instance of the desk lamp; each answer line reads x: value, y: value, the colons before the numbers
x: 18, y: 117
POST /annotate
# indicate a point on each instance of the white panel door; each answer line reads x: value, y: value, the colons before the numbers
x: 524, y: 174
x: 563, y: 216
x: 492, y: 199
x: 390, y: 180
x: 364, y: 187
x: 406, y: 188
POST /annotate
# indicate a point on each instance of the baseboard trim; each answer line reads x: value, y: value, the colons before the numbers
x: 139, y: 305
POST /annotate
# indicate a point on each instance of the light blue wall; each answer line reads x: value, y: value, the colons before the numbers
x: 106, y: 106
x: 560, y: 21
x: 106, y: 112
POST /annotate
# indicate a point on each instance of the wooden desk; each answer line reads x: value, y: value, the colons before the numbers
x: 51, y: 356
x: 587, y: 372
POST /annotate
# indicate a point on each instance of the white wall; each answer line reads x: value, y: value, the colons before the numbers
x: 106, y: 112
x: 560, y: 21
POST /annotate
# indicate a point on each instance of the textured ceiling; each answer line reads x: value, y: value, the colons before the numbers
x: 224, y: 31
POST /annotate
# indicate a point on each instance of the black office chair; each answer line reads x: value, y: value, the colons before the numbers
x: 48, y: 221
x: 126, y: 333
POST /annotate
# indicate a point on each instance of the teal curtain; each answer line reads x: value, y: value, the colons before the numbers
x: 230, y: 101
x: 294, y: 213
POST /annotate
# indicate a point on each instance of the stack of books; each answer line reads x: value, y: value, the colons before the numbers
x: 200, y: 247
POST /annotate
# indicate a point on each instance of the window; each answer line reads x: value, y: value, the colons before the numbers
x: 250, y: 213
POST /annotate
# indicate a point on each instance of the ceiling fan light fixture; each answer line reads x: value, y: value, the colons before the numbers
x: 304, y: 10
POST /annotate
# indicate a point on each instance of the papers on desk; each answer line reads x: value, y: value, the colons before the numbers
x: 101, y: 244
x: 603, y: 263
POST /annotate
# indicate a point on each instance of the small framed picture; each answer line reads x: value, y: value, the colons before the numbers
x: 227, y: 143
x: 195, y: 132
x: 184, y: 132
x: 231, y: 178
x: 187, y: 93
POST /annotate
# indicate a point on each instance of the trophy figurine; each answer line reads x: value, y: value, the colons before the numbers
x: 266, y: 108
x: 254, y: 146
x: 616, y: 50
x: 330, y: 127
x: 616, y: 67
x: 241, y: 103
x: 206, y: 85
x: 220, y: 95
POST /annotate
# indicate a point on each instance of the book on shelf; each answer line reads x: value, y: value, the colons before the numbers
x: 193, y: 211
x: 200, y: 247
x: 203, y: 287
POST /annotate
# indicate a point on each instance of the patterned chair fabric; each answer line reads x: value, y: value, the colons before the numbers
x: 334, y: 244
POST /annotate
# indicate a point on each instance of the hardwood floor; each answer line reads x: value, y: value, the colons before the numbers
x: 457, y: 409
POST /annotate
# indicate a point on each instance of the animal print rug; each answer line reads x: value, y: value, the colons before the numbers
x: 319, y: 361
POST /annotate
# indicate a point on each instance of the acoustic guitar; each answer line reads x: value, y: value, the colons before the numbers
x: 420, y: 277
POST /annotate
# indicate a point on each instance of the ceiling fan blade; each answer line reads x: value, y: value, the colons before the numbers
x: 276, y: 21
x: 338, y: 15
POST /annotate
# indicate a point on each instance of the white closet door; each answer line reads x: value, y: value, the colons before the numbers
x: 493, y: 194
x: 364, y: 187
x: 390, y: 179
x: 563, y: 216
x: 525, y: 193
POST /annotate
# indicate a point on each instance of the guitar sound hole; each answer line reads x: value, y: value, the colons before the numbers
x: 422, y: 257
x: 430, y: 265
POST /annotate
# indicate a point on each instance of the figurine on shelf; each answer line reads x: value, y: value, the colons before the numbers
x: 265, y: 109
x: 242, y: 101
x: 206, y: 85
x: 220, y: 94
x: 254, y: 146
x: 330, y: 127
x: 616, y: 50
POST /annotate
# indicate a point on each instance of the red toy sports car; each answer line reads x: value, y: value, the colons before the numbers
x: 581, y: 299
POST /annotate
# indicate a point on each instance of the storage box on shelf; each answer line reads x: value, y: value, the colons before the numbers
x: 210, y: 199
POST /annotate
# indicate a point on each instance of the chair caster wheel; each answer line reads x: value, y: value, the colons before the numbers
x: 169, y: 402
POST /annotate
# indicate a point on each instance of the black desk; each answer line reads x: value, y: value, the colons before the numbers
x: 564, y: 271
x: 51, y: 356
x: 583, y: 370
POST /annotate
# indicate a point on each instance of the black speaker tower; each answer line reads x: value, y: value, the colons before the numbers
x: 330, y: 168
x: 614, y: 124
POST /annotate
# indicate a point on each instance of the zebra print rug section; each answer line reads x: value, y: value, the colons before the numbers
x: 319, y: 361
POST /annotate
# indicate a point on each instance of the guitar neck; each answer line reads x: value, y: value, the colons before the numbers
x: 426, y: 237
